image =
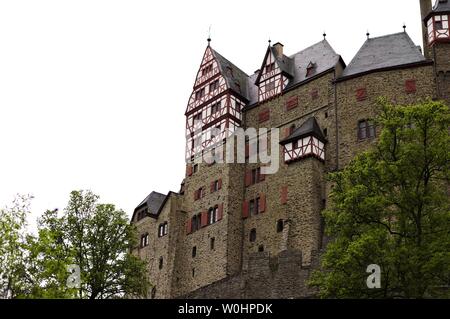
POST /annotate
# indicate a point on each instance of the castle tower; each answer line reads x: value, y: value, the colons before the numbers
x: 212, y: 239
x: 425, y: 9
x: 438, y: 42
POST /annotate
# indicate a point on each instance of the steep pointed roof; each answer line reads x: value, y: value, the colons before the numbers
x: 309, y: 128
x: 384, y: 52
x: 321, y: 54
x: 237, y: 79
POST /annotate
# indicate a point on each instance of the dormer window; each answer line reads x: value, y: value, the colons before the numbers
x: 310, y: 69
x: 270, y: 67
x: 230, y: 71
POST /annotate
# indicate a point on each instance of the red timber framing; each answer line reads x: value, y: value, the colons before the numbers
x: 304, y: 147
x: 271, y: 82
x: 438, y: 28
x: 211, y: 116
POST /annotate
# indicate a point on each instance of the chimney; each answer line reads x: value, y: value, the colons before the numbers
x: 278, y: 49
x: 425, y: 9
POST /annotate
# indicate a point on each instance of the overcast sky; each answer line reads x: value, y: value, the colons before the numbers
x: 93, y: 92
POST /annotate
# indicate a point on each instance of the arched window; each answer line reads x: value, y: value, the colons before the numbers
x: 253, y: 235
x: 280, y: 226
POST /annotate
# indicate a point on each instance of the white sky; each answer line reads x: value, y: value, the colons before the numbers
x: 93, y: 92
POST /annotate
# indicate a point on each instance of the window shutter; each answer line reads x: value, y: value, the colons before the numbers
x: 189, y: 226
x: 248, y: 178
x: 245, y: 210
x: 220, y: 212
x: 284, y: 195
x: 220, y: 184
x: 264, y: 116
x: 410, y: 86
x: 189, y: 170
x: 211, y: 187
x: 291, y: 103
x: 361, y: 94
x: 262, y: 203
x: 196, y: 195
x: 204, y: 219
x: 247, y: 150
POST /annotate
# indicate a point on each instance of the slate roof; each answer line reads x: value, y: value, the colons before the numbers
x: 441, y: 6
x: 384, y: 52
x: 237, y: 76
x: 154, y: 201
x: 309, y: 128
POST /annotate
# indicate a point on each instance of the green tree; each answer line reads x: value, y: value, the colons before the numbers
x: 13, y: 246
x: 95, y: 237
x: 46, y: 262
x: 101, y: 237
x: 390, y: 207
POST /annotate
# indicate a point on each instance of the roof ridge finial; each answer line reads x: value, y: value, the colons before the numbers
x: 209, y: 36
x: 404, y: 27
x: 324, y: 35
x: 368, y: 35
x: 270, y: 42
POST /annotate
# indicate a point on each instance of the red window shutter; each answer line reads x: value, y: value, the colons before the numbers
x: 189, y: 170
x: 220, y: 184
x: 245, y: 209
x: 196, y: 195
x: 361, y: 94
x: 204, y: 219
x: 284, y: 195
x: 262, y: 203
x: 211, y: 186
x: 220, y: 212
x: 291, y: 103
x: 264, y: 116
x: 410, y: 86
x: 248, y: 178
x: 247, y: 150
x: 314, y: 94
x: 189, y: 226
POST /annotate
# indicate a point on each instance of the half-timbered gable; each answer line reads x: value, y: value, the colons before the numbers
x: 275, y: 73
x: 306, y: 141
x: 214, y: 109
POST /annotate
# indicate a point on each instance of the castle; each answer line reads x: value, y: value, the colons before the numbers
x: 234, y: 231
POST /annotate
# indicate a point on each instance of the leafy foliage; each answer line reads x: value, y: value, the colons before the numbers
x: 96, y: 237
x: 390, y: 207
